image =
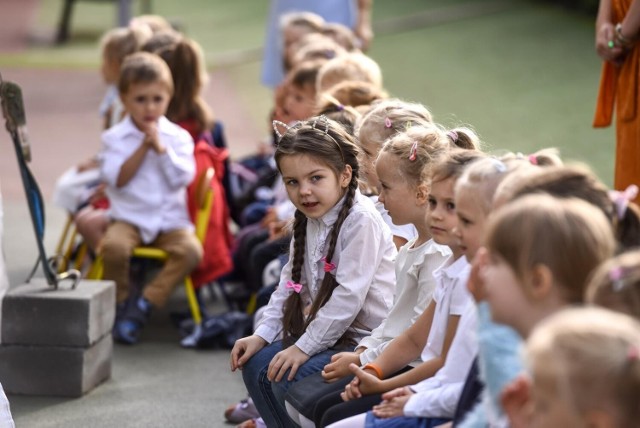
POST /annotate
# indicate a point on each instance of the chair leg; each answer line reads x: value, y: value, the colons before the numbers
x: 193, y: 301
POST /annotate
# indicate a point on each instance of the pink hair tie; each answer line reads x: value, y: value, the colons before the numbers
x: 387, y: 123
x: 328, y: 266
x: 413, y: 154
x: 633, y: 354
x: 616, y: 276
x: 533, y: 160
x: 296, y: 287
x: 621, y: 199
x: 453, y: 136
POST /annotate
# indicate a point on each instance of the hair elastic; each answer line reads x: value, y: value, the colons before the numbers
x: 453, y: 136
x: 328, y: 266
x: 413, y: 153
x: 387, y: 122
x: 294, y: 285
x: 633, y: 354
x: 533, y: 159
x: 498, y: 165
x: 621, y: 199
x: 616, y: 276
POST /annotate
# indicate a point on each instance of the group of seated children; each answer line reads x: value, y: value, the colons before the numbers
x: 419, y: 267
x: 160, y: 136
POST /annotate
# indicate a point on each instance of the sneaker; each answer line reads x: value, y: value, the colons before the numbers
x: 127, y: 330
x: 242, y: 411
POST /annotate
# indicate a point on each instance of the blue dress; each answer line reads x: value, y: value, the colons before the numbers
x: 339, y: 11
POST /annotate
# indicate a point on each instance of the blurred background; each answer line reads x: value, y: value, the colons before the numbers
x: 522, y: 73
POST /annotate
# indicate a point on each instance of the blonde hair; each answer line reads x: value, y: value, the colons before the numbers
x: 453, y: 164
x: 389, y: 117
x: 341, y: 34
x: 616, y: 284
x: 144, y: 67
x: 351, y: 66
x: 346, y: 116
x: 486, y: 176
x: 117, y: 43
x: 590, y: 357
x: 354, y: 93
x: 313, y: 46
x: 155, y: 23
x: 569, y: 236
x: 416, y: 150
x: 306, y: 20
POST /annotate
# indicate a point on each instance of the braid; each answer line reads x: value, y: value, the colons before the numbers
x: 292, y: 317
x: 329, y: 282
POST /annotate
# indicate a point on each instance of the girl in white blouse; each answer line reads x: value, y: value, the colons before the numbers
x: 339, y: 282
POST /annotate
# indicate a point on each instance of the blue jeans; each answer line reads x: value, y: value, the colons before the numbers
x: 269, y: 396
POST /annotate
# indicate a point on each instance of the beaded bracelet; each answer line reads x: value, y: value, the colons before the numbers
x: 621, y: 39
x: 375, y: 368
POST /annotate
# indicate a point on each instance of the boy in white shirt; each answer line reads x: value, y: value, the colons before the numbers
x: 147, y: 163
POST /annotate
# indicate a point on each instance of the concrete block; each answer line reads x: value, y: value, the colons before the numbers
x: 55, y: 370
x: 34, y: 314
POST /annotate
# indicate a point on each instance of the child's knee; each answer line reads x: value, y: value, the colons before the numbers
x: 112, y: 249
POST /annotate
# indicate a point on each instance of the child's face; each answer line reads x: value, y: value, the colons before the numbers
x: 312, y: 186
x: 471, y: 220
x: 146, y: 103
x: 504, y: 293
x: 300, y: 102
x: 399, y: 197
x: 370, y: 149
x: 441, y: 216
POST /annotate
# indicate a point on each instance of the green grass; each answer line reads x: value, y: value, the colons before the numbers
x: 525, y: 77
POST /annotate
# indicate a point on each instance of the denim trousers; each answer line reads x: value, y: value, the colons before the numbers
x: 269, y: 396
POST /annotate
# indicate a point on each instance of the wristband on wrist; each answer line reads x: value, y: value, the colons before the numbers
x: 377, y: 370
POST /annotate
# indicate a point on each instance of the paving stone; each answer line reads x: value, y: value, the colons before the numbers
x: 36, y: 315
x: 55, y: 370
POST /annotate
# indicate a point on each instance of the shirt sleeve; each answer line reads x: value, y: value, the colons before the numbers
x: 460, y: 296
x: 270, y: 325
x: 111, y: 158
x: 177, y: 163
x: 354, y: 274
x: 439, y: 402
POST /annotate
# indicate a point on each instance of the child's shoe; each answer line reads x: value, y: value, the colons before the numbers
x: 127, y: 329
x: 242, y: 411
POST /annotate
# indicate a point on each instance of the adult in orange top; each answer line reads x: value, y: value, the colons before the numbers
x: 617, y: 34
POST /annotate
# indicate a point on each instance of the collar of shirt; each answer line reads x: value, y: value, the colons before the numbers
x: 332, y: 215
x: 451, y: 270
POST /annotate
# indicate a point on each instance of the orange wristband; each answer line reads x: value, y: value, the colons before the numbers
x: 375, y: 368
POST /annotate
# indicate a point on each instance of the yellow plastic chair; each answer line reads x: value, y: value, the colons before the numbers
x: 69, y: 242
x: 204, y: 199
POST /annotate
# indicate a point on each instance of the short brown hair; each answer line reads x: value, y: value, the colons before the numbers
x: 144, y: 67
x: 569, y: 236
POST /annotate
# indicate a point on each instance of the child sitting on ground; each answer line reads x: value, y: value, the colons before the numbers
x: 147, y: 163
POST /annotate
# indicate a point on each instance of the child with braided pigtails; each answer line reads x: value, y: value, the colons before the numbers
x: 331, y: 292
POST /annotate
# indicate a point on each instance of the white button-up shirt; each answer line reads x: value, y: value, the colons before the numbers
x: 364, y: 272
x: 155, y: 199
x: 437, y: 397
x: 414, y: 289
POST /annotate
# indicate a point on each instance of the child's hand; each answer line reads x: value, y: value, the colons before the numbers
x: 244, y: 349
x: 393, y: 403
x: 88, y: 164
x: 290, y: 358
x: 475, y: 284
x: 516, y: 401
x: 270, y: 216
x: 605, y: 35
x: 278, y: 230
x: 364, y: 384
x: 339, y: 366
x: 151, y: 138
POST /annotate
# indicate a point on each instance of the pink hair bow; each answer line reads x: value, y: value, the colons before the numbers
x: 621, y: 199
x: 296, y: 287
x: 328, y: 266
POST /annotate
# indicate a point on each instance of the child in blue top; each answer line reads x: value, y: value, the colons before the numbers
x: 339, y: 282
